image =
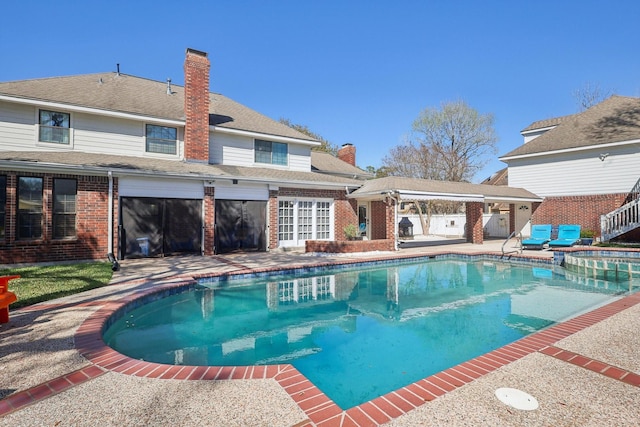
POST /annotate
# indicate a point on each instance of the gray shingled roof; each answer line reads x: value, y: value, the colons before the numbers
x: 92, y: 163
x: 395, y: 183
x: 135, y: 95
x: 546, y: 123
x: 617, y: 119
x: 330, y: 164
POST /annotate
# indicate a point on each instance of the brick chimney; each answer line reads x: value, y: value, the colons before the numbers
x: 347, y: 153
x: 196, y: 106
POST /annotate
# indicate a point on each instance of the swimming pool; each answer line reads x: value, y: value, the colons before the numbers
x: 356, y: 333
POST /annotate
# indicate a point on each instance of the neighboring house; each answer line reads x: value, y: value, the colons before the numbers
x: 584, y: 165
x: 112, y: 163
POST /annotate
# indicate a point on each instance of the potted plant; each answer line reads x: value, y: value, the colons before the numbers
x: 586, y: 237
x: 351, y: 231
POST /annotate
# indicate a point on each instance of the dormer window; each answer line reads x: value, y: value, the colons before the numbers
x: 273, y: 153
x: 54, y: 127
x: 161, y: 139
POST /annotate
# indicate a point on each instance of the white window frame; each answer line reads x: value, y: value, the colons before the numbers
x: 298, y: 226
x: 157, y: 153
x: 58, y: 145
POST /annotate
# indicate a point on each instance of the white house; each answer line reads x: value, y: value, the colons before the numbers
x: 585, y: 165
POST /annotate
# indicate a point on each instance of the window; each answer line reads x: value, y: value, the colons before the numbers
x: 29, y: 221
x: 323, y: 220
x: 3, y: 203
x: 54, y: 127
x: 64, y: 208
x: 274, y: 153
x: 306, y: 219
x: 162, y: 139
x: 285, y: 220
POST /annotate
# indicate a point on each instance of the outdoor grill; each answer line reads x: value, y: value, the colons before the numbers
x: 405, y: 228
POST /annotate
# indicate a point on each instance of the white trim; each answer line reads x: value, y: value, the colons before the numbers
x: 415, y: 195
x: 498, y: 199
x: 260, y: 135
x: 56, y: 145
x: 300, y: 242
x: 536, y: 130
x: 571, y: 150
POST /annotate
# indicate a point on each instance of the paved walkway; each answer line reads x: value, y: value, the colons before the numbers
x: 54, y: 369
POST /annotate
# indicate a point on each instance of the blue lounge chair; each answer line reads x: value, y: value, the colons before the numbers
x: 568, y: 235
x: 540, y: 235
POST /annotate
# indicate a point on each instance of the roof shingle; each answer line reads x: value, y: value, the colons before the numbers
x: 135, y: 95
x: 617, y: 119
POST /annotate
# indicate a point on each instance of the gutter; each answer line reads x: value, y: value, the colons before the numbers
x: 85, y: 170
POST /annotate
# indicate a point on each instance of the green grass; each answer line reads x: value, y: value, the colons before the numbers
x: 43, y: 283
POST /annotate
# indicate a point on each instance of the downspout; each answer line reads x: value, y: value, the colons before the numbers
x: 110, y: 215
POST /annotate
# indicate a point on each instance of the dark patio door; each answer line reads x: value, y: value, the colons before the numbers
x: 240, y: 225
x: 154, y: 226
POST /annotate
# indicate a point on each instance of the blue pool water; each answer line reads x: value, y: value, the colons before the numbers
x: 357, y: 334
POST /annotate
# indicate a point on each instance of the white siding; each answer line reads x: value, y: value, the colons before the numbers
x: 162, y: 188
x: 236, y: 150
x: 108, y: 135
x: 90, y: 133
x: 231, y: 150
x: 17, y: 127
x: 578, y: 173
x: 299, y: 158
x: 242, y: 192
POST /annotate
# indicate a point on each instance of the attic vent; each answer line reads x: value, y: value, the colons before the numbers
x: 169, y: 87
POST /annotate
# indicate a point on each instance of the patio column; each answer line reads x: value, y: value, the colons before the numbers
x: 474, y: 222
x: 209, y: 220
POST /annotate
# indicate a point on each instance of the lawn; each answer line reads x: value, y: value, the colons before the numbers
x: 43, y: 283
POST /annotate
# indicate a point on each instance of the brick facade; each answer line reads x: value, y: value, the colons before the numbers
x: 92, y: 213
x: 583, y: 210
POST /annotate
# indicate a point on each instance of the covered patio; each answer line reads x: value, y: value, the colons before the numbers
x: 378, y: 203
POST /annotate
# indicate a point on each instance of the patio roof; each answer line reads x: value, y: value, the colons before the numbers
x: 424, y: 189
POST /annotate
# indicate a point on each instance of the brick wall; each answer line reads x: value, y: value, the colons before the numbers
x: 196, y: 106
x: 91, y: 241
x: 473, y: 227
x: 583, y: 210
x: 209, y: 218
x: 349, y: 246
x: 382, y: 220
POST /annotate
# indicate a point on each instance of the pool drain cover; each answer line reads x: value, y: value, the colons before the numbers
x: 517, y: 399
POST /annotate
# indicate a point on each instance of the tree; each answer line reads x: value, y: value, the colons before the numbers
x: 448, y: 144
x: 325, y: 145
x: 589, y: 95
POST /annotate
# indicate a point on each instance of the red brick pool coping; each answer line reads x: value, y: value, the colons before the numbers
x: 320, y: 410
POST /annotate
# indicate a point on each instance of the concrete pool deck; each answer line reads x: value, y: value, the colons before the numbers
x: 582, y: 372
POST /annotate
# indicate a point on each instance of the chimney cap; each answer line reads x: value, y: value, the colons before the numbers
x: 196, y: 52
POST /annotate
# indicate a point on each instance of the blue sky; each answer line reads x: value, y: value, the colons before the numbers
x: 352, y: 71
